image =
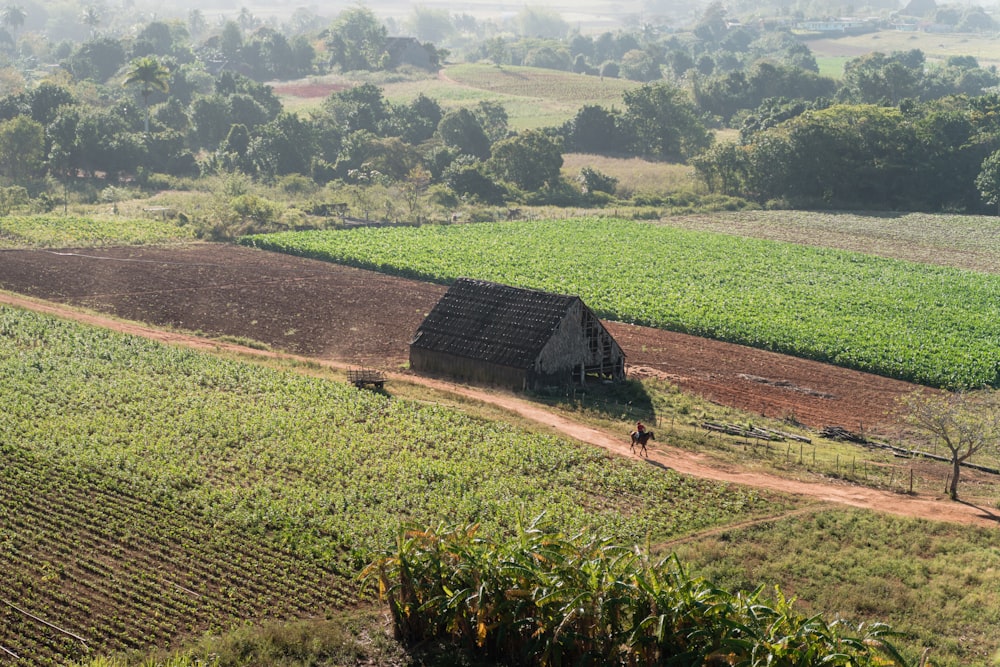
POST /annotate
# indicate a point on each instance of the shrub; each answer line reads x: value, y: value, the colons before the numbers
x: 543, y: 599
x: 255, y: 211
x: 297, y: 184
x: 592, y: 180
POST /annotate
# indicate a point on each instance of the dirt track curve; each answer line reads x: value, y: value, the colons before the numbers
x: 662, y: 456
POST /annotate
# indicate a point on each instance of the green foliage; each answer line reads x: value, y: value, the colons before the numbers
x: 461, y: 130
x: 97, y: 60
x: 592, y: 180
x: 12, y: 197
x: 529, y: 160
x: 357, y: 40
x: 253, y: 493
x: 988, y: 180
x: 343, y: 638
x: 858, y: 156
x: 468, y: 178
x: 255, y: 210
x: 544, y: 599
x: 22, y: 149
x: 922, y: 323
x: 662, y: 123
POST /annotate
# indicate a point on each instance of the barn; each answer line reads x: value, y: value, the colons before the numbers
x: 489, y: 333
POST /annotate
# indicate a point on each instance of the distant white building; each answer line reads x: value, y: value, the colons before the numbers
x: 835, y: 25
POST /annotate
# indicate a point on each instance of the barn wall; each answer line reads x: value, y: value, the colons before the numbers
x: 565, y: 349
x: 569, y: 350
x: 464, y: 368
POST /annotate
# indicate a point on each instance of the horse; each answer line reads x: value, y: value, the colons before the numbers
x: 641, y: 439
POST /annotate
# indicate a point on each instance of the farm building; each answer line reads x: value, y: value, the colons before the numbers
x: 520, y: 338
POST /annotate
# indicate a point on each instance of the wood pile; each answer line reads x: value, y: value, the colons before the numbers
x: 841, y: 433
x: 751, y: 431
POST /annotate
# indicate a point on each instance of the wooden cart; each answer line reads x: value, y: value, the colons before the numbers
x: 366, y: 377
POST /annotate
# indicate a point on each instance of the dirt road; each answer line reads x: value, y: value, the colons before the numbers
x: 662, y: 455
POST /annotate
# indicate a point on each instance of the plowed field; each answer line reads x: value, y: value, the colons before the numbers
x: 365, y: 318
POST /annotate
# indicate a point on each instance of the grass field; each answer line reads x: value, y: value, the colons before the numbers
x: 934, y: 583
x: 936, y: 46
x: 635, y: 175
x: 532, y: 97
x: 832, y: 66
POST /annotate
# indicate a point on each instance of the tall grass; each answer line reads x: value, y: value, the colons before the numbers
x: 935, y: 583
x: 635, y: 175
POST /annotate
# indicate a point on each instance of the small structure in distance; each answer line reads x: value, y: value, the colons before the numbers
x: 489, y: 333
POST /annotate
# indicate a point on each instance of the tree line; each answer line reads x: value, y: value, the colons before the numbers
x: 896, y: 132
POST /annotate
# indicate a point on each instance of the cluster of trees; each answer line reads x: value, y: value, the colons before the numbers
x: 937, y: 155
x: 894, y: 132
x: 731, y: 69
x: 151, y: 105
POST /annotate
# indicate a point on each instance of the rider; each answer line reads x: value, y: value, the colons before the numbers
x: 640, y: 428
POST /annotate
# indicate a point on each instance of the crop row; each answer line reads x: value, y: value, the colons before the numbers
x: 62, y: 231
x: 123, y: 573
x: 149, y: 492
x: 927, y: 324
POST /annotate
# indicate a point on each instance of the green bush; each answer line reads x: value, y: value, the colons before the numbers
x: 592, y: 180
x: 543, y: 599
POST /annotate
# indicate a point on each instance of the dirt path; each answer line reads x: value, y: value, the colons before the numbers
x: 661, y: 455
x: 329, y: 311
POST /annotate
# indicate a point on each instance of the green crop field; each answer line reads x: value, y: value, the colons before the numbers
x: 149, y: 492
x: 929, y: 324
x: 64, y: 231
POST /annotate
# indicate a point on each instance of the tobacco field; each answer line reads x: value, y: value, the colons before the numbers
x: 933, y: 325
x: 150, y: 493
x: 68, y: 231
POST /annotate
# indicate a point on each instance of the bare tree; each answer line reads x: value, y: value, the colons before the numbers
x: 965, y: 422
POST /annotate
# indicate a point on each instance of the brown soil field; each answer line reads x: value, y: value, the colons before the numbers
x: 307, y: 90
x: 359, y: 317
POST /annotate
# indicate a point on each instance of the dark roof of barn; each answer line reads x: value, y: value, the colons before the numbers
x: 491, y: 322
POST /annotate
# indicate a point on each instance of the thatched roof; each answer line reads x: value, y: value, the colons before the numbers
x: 491, y: 322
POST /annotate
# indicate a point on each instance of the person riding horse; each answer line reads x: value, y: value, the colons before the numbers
x: 640, y: 436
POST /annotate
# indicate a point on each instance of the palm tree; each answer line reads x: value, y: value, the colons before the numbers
x: 152, y: 75
x: 196, y: 22
x: 13, y: 16
x: 91, y: 17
